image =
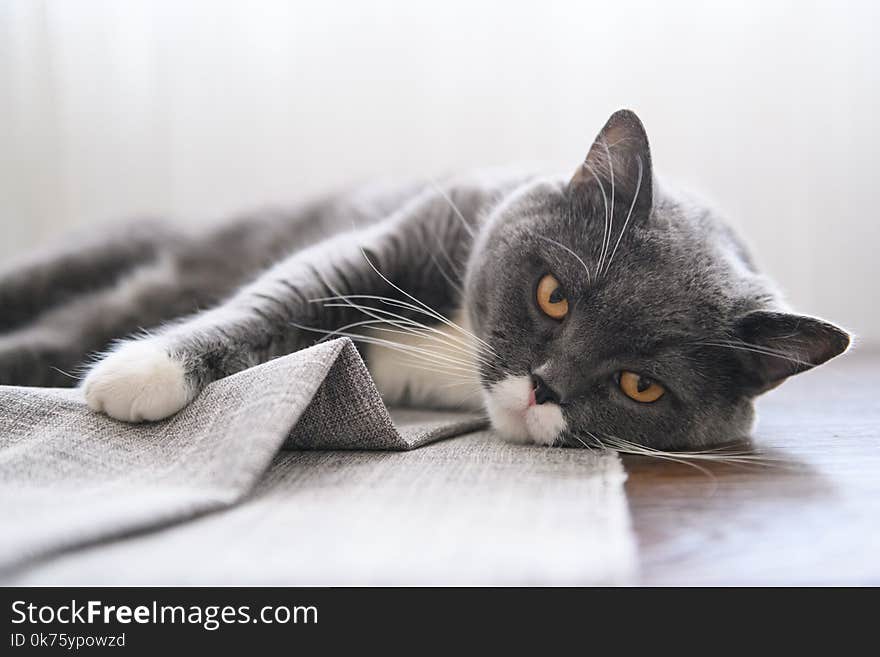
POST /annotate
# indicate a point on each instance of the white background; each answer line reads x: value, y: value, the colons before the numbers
x: 109, y: 109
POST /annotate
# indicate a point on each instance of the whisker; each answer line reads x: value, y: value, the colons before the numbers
x: 459, y: 383
x: 376, y: 324
x: 67, y: 374
x: 344, y: 298
x: 758, y: 349
x: 440, y: 317
x: 579, y: 259
x: 427, y: 355
x: 456, y: 343
x: 721, y: 454
x: 628, y: 215
x: 472, y: 349
x: 463, y: 365
x: 580, y: 440
x: 454, y: 207
x: 607, y: 242
x: 456, y: 286
x: 456, y: 373
x: 640, y: 450
x: 605, y: 201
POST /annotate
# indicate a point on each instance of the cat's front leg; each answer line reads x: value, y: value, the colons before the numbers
x: 141, y: 380
x: 153, y: 377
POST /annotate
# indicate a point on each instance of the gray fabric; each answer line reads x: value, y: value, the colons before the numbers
x: 69, y: 476
x: 474, y: 510
x: 471, y: 510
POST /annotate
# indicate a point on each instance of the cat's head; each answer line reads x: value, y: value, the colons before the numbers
x: 615, y: 311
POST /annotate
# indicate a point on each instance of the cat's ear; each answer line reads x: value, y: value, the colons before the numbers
x: 774, y: 346
x: 618, y: 165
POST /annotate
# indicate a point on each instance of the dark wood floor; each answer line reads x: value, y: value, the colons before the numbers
x: 811, y: 515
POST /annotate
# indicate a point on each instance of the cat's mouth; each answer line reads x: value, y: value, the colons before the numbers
x: 514, y: 413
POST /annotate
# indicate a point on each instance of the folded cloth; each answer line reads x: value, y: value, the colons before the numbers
x: 473, y: 510
x: 70, y: 476
x: 72, y: 479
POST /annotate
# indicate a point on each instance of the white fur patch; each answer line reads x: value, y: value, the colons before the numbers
x: 436, y: 372
x: 507, y: 403
x: 139, y: 381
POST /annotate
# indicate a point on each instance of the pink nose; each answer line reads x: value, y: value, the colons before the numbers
x: 532, y: 401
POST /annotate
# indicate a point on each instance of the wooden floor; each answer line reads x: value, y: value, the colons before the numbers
x: 811, y: 515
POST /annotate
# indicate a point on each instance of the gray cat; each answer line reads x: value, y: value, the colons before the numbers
x: 603, y: 309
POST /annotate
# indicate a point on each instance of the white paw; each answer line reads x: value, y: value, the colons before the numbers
x: 137, y: 382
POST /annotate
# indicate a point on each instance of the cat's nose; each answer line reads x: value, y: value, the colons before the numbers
x: 543, y: 392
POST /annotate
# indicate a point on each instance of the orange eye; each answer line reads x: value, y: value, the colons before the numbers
x: 640, y: 388
x: 551, y: 297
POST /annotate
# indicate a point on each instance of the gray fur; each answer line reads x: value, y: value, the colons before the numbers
x: 680, y: 301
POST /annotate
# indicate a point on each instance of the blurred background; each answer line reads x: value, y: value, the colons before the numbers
x: 110, y: 109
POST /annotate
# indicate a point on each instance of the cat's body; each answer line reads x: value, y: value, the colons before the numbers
x: 438, y: 282
x: 72, y: 300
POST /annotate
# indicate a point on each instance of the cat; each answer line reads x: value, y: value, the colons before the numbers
x: 600, y: 309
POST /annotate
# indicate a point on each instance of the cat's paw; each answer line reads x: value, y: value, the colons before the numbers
x: 137, y: 382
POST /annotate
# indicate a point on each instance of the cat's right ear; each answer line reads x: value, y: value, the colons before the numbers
x: 773, y: 346
x: 619, y: 166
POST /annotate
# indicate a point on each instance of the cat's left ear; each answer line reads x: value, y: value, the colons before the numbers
x: 774, y: 346
x: 618, y: 165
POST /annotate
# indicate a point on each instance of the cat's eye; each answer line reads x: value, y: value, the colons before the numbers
x: 640, y: 388
x: 551, y: 297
